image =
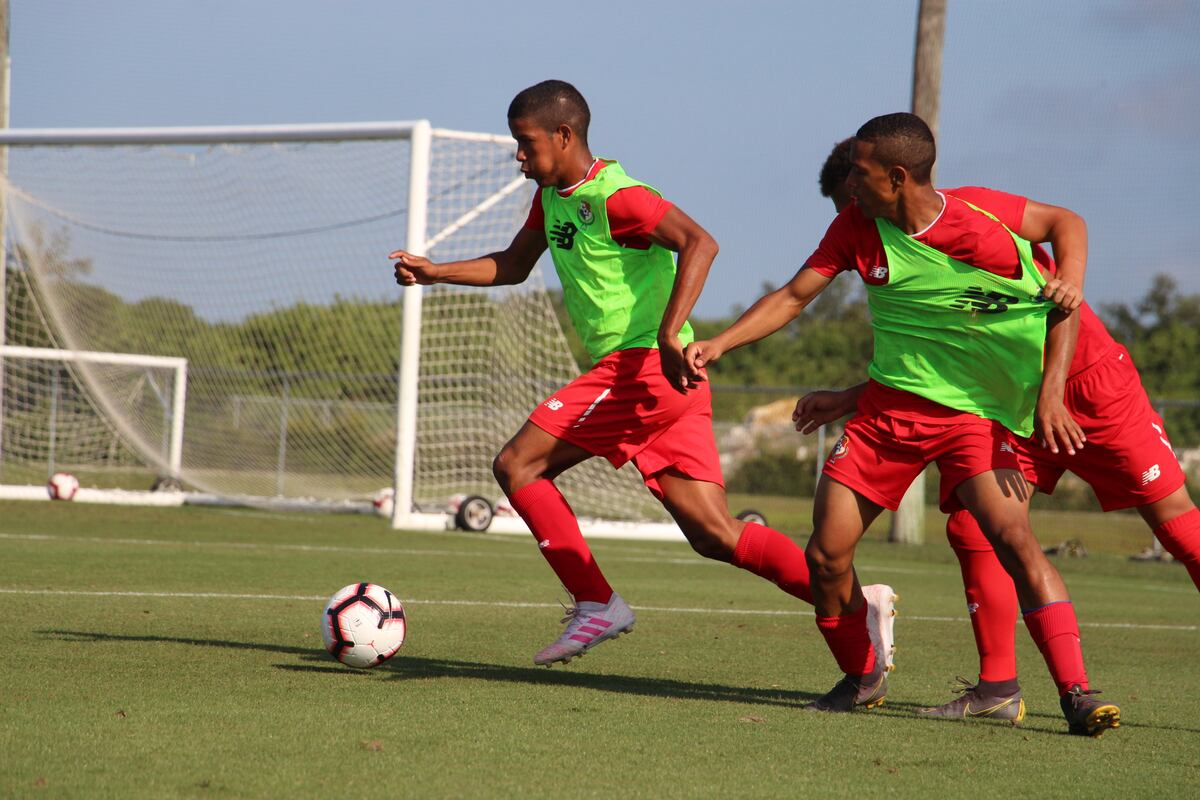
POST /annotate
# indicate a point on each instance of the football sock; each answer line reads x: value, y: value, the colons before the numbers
x: 1055, y: 631
x: 1181, y: 538
x: 850, y: 642
x: 997, y: 688
x: 991, y: 598
x: 769, y: 554
x: 556, y: 530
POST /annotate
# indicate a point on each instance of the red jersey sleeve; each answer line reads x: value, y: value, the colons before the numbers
x: 633, y: 214
x: 851, y: 243
x: 536, y: 221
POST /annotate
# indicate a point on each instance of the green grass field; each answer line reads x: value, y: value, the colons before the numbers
x: 176, y: 653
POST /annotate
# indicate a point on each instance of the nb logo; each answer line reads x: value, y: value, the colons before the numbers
x: 554, y: 404
x: 976, y: 299
x: 1152, y: 474
x: 563, y: 234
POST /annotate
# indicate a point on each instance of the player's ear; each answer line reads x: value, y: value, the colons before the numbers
x: 898, y: 176
x: 565, y: 134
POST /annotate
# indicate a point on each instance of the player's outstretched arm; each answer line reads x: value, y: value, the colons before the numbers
x: 1066, y: 232
x: 767, y: 315
x: 509, y: 266
x: 697, y: 250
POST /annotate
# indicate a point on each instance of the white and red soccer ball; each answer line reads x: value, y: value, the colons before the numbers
x: 384, y: 502
x: 62, y: 486
x: 363, y: 625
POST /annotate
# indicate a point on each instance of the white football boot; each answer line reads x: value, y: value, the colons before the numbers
x: 588, y: 624
x: 881, y: 621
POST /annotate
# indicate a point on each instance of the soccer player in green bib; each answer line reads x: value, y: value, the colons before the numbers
x: 612, y: 239
x: 957, y: 370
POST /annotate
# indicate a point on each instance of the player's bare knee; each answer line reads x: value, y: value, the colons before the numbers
x: 511, y: 473
x: 712, y: 539
x: 825, y: 565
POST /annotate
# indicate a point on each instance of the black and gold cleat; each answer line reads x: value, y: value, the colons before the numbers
x: 972, y: 703
x: 853, y: 691
x: 1086, y: 715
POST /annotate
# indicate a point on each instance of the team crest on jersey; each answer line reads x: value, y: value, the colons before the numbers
x: 840, y: 449
x: 585, y: 213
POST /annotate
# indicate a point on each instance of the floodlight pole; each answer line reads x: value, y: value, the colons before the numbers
x: 908, y: 523
x: 5, y: 69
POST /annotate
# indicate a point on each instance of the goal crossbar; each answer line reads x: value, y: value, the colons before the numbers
x: 235, y: 134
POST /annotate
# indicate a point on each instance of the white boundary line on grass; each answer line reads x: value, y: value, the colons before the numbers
x: 508, y: 604
x: 689, y: 561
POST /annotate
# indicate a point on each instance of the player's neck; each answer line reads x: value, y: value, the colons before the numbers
x: 575, y: 171
x: 917, y: 210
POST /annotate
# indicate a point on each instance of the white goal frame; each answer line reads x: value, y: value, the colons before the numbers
x: 178, y: 391
x: 417, y: 240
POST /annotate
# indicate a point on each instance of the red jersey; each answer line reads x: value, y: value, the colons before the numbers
x: 633, y: 213
x: 852, y: 243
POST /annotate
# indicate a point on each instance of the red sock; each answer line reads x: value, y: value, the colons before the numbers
x: 991, y: 598
x: 1055, y: 631
x: 556, y: 530
x: 1181, y: 538
x: 849, y: 640
x: 771, y: 555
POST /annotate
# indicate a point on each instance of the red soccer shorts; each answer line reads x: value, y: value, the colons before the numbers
x: 879, y: 455
x: 624, y: 409
x: 1127, y: 459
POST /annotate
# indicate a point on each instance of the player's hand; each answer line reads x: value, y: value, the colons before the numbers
x: 675, y: 366
x: 820, y: 408
x: 412, y: 270
x: 700, y: 354
x: 1057, y: 429
x: 1067, y: 296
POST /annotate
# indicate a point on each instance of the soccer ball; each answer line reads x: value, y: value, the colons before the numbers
x: 363, y: 625
x: 62, y: 486
x: 385, y: 502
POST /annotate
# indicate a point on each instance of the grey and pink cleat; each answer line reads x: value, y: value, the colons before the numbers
x: 588, y: 624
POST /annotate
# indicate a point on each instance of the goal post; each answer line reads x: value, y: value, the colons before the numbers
x: 258, y: 256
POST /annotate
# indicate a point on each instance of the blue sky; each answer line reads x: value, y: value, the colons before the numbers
x: 728, y: 108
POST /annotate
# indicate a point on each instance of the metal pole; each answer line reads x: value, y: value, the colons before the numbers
x: 53, y: 419
x: 410, y: 336
x: 281, y: 461
x: 908, y: 523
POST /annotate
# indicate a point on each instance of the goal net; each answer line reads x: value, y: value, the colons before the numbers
x: 258, y: 257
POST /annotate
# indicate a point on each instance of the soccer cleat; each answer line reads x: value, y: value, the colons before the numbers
x: 588, y: 624
x: 852, y: 691
x: 1087, y: 716
x: 970, y: 704
x: 881, y: 621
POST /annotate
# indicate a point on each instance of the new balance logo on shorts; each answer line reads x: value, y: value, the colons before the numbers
x: 554, y: 404
x: 563, y: 235
x: 1152, y: 474
x: 976, y: 299
x: 1005, y: 447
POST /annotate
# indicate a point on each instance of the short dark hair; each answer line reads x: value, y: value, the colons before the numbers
x: 552, y: 103
x: 836, y: 167
x: 901, y: 140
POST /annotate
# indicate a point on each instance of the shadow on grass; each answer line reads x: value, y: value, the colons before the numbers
x: 418, y: 668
